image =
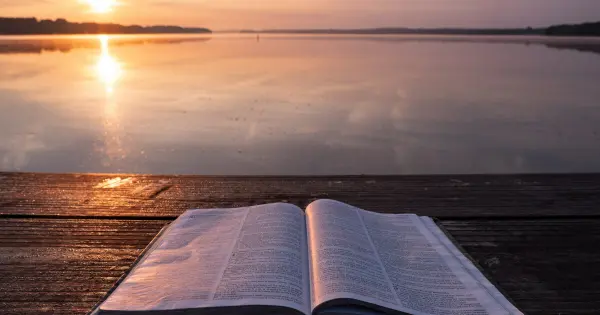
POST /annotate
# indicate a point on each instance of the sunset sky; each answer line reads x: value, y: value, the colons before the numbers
x: 238, y: 14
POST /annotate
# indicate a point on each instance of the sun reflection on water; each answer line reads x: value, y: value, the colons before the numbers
x: 108, y: 68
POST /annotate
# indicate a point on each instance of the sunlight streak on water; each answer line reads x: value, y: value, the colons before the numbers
x: 108, y: 68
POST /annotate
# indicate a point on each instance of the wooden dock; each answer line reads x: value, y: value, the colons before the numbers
x: 65, y: 239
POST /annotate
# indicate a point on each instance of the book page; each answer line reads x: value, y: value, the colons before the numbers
x: 221, y: 258
x: 343, y: 261
x: 392, y: 251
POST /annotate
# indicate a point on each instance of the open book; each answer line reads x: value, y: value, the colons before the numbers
x: 276, y: 259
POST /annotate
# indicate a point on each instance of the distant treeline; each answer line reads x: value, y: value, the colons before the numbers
x: 403, y: 30
x: 32, y: 26
x: 585, y: 29
x: 27, y: 26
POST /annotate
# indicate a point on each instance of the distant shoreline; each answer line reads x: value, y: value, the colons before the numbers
x: 584, y: 29
x: 398, y: 31
x: 33, y: 26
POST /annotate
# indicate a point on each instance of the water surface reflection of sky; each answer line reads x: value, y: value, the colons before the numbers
x: 299, y: 104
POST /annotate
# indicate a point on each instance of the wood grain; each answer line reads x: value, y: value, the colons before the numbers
x: 545, y: 266
x: 168, y: 196
x: 59, y: 266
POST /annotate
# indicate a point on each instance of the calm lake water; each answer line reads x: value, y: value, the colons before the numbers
x: 299, y: 104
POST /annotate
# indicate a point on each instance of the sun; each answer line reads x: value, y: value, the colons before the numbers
x: 101, y: 6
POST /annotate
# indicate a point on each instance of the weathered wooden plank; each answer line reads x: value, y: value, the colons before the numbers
x: 59, y: 271
x: 168, y: 196
x: 42, y: 308
x: 546, y: 266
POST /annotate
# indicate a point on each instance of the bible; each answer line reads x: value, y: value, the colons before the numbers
x: 332, y: 258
